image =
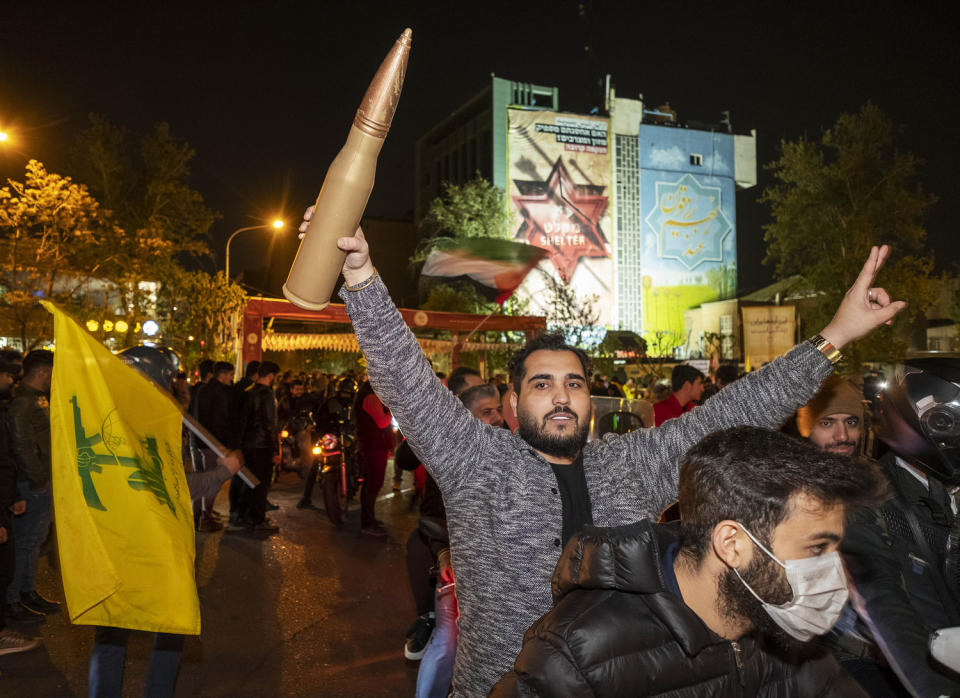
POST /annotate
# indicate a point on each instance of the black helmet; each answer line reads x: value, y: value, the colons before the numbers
x: 159, y: 364
x: 919, y: 416
x: 346, y: 387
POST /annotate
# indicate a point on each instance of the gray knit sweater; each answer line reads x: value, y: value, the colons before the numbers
x: 503, y: 510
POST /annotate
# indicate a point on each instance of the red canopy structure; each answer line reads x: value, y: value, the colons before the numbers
x: 260, y: 309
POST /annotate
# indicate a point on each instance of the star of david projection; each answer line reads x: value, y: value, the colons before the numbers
x: 689, y: 222
x: 563, y: 218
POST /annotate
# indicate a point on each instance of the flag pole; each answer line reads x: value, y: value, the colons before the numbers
x: 214, y: 444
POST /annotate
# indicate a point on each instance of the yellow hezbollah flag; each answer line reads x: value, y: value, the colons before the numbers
x: 124, y: 519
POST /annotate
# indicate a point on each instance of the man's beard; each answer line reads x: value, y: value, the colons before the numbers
x: 556, y: 445
x: 766, y: 578
x: 849, y: 448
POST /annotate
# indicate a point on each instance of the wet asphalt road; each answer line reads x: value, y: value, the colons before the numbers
x: 309, y: 611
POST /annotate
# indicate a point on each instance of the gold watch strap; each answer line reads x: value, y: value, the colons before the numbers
x: 826, y: 348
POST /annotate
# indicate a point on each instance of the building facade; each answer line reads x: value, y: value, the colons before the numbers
x: 635, y: 207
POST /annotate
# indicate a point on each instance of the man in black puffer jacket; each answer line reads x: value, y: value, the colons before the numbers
x: 706, y: 608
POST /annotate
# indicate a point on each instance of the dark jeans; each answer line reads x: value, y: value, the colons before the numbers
x: 311, y: 478
x: 260, y: 461
x: 420, y: 559
x: 30, y: 529
x: 237, y: 493
x: 109, y: 655
x: 374, y: 470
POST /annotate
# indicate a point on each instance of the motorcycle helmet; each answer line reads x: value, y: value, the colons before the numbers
x: 346, y: 390
x: 159, y: 364
x: 919, y: 416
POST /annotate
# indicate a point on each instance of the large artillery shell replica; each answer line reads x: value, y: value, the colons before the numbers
x: 347, y: 186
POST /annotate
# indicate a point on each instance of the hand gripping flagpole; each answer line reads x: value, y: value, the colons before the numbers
x: 211, y: 441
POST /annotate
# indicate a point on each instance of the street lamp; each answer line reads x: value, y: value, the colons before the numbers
x: 276, y: 225
x: 4, y: 136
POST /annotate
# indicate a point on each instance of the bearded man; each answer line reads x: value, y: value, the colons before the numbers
x: 724, y: 604
x: 513, y: 499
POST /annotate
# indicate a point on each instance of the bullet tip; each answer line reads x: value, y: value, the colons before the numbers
x: 407, y: 33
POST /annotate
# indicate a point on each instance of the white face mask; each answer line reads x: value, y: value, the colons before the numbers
x: 819, y: 588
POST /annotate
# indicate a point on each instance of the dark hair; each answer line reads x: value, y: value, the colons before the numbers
x: 458, y: 378
x: 684, y: 374
x: 205, y: 368
x: 35, y: 360
x: 726, y: 374
x: 748, y: 474
x: 266, y: 368
x: 470, y: 396
x: 222, y: 367
x: 551, y: 341
x: 252, y: 369
x: 9, y: 367
x: 12, y: 356
x: 180, y: 375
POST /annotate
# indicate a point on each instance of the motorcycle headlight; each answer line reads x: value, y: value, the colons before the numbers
x: 284, y: 434
x: 316, y: 450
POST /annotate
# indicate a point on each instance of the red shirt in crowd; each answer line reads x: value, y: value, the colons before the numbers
x: 668, y: 409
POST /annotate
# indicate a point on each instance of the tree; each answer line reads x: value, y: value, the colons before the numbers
x: 53, y: 238
x: 158, y: 218
x: 834, y: 198
x: 196, y: 304
x: 475, y: 209
x: 576, y: 317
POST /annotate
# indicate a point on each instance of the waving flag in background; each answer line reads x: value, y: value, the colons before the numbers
x: 495, y: 267
x: 123, y: 513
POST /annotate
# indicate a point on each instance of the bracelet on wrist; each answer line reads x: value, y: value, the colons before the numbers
x: 826, y: 348
x: 363, y: 284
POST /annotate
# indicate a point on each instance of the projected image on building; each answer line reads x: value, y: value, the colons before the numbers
x: 559, y: 189
x: 689, y: 225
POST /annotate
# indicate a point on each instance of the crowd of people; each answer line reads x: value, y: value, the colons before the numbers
x: 566, y: 583
x: 778, y: 533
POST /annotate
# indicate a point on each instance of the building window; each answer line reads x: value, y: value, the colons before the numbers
x: 696, y: 159
x: 726, y: 324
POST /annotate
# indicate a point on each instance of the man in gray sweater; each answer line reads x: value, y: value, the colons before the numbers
x: 511, y: 497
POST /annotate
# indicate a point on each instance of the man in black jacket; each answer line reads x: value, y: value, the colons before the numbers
x: 10, y: 640
x: 260, y: 446
x: 904, y: 558
x: 723, y: 604
x: 28, y: 418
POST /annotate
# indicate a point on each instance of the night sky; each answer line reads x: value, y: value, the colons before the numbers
x: 265, y: 92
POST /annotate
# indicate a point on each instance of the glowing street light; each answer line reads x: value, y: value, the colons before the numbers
x: 4, y: 136
x: 277, y: 225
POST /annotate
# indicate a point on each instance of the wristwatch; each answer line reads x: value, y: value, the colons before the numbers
x: 826, y: 348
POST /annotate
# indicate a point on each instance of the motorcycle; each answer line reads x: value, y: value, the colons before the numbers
x: 339, y: 469
x: 295, y: 437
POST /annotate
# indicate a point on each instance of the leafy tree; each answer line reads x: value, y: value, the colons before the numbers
x: 194, y: 303
x: 52, y: 240
x: 158, y: 218
x: 834, y: 198
x: 474, y: 209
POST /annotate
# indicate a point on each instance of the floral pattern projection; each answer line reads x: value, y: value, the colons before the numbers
x: 559, y: 186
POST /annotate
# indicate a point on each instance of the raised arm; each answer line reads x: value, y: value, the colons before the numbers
x: 767, y: 397
x: 445, y: 436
